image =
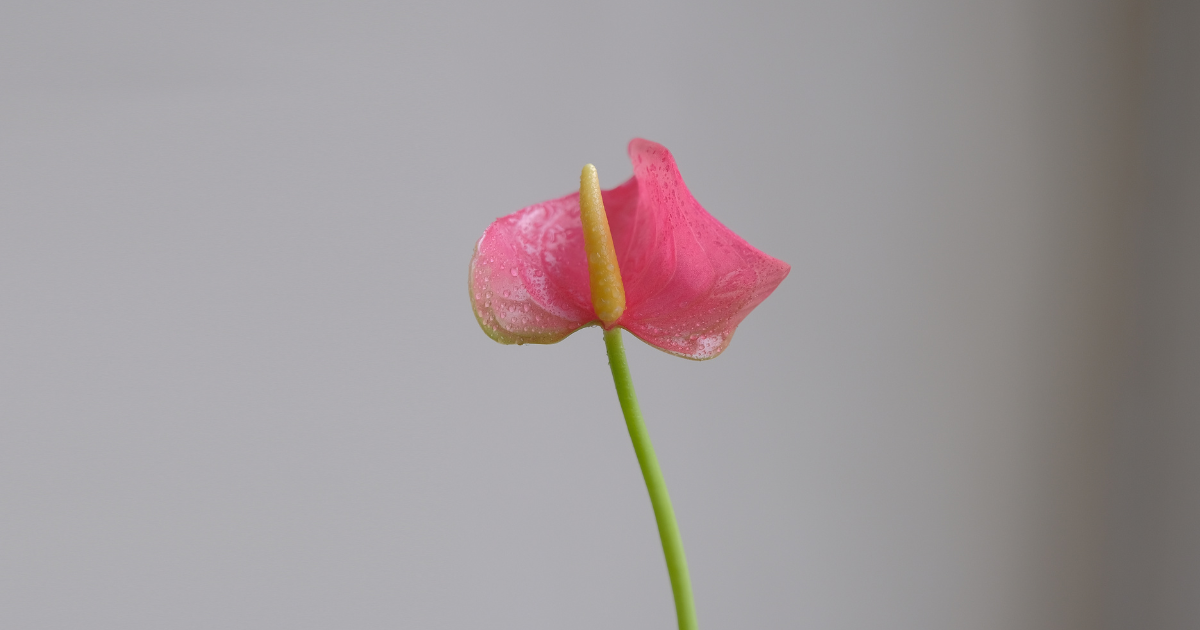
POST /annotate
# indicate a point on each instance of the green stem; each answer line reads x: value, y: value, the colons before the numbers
x: 668, y: 529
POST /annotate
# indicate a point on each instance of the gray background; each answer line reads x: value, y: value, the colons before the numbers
x: 241, y: 385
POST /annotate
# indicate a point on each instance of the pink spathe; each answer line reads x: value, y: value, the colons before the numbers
x: 689, y: 281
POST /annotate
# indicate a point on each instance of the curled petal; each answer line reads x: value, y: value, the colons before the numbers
x: 528, y: 277
x: 689, y: 280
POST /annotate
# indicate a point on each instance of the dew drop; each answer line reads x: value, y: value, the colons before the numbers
x: 514, y: 271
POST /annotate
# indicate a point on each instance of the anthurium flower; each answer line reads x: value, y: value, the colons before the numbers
x: 662, y: 268
x: 688, y: 280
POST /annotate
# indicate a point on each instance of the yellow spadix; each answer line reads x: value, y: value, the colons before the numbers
x: 608, y: 292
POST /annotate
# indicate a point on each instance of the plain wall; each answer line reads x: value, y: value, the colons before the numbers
x: 241, y: 385
x: 1156, y: 469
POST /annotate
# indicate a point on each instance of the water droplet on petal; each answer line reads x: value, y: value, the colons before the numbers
x: 514, y: 271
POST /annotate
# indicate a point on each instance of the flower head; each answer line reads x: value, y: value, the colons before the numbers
x: 688, y: 280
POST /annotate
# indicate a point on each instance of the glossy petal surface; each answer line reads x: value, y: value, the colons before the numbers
x: 689, y: 281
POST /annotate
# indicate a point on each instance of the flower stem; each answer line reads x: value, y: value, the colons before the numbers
x: 668, y: 529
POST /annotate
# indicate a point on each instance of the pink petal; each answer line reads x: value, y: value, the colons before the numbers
x: 528, y: 277
x: 689, y: 281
